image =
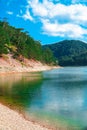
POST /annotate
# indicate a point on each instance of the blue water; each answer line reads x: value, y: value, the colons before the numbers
x: 57, y: 97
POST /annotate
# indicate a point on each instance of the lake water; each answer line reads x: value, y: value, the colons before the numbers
x: 57, y: 98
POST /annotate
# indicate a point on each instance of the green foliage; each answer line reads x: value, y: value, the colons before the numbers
x: 3, y: 41
x: 19, y: 43
x: 69, y: 52
x: 48, y: 56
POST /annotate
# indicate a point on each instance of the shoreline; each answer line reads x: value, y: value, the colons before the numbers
x: 12, y: 120
x: 11, y: 65
x: 29, y: 70
x: 26, y: 70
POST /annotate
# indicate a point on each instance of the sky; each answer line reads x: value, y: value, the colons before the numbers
x: 48, y: 21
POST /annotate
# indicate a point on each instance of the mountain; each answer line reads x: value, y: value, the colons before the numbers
x: 69, y: 52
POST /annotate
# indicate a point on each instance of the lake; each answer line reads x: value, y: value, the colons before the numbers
x: 56, y: 98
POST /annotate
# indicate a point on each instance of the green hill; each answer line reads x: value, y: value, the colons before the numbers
x: 69, y: 52
x: 19, y: 43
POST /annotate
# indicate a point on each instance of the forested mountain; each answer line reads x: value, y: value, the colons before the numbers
x: 20, y: 44
x: 69, y: 52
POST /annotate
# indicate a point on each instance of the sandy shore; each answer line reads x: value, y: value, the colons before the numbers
x: 11, y: 65
x: 11, y: 120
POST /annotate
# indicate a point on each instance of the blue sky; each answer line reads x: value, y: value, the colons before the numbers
x: 48, y: 21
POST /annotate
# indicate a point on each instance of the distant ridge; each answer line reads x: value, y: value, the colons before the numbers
x: 69, y: 52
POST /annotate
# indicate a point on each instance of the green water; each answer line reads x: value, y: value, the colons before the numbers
x: 57, y: 98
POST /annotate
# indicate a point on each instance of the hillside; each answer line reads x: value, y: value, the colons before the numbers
x: 69, y: 52
x: 18, y: 43
x: 8, y: 64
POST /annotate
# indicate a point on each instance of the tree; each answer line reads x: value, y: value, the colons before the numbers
x: 48, y: 56
x: 20, y: 43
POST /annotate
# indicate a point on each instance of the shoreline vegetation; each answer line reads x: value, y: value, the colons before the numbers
x: 19, y: 52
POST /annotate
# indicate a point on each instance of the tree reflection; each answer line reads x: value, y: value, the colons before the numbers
x: 18, y: 89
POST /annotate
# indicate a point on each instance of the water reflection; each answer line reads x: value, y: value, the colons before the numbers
x: 19, y: 89
x: 63, y: 94
x: 60, y: 94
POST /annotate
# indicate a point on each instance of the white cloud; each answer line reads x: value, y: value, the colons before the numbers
x: 38, y: 8
x: 67, y: 30
x: 9, y: 12
x: 59, y: 19
x: 50, y: 10
x: 27, y: 16
x: 78, y: 13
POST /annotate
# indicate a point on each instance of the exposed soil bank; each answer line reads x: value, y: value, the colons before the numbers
x: 11, y: 65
